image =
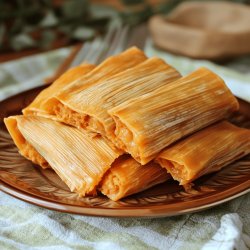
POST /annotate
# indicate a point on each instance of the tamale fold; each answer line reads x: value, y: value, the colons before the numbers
x: 25, y: 149
x: 91, y: 105
x: 79, y: 160
x: 206, y: 151
x: 69, y: 76
x: 127, y: 176
x: 62, y: 104
x: 147, y: 124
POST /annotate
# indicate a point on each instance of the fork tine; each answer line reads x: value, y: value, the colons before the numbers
x: 99, y: 49
x: 95, y: 45
x: 102, y: 48
x: 122, y: 40
x: 115, y: 42
x: 82, y: 53
x: 107, y: 44
x: 91, y: 51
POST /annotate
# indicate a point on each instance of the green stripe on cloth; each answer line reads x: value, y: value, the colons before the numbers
x: 25, y: 226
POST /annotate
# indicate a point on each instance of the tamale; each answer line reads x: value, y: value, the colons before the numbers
x: 127, y: 176
x: 206, y: 151
x: 147, y: 124
x: 62, y: 104
x: 25, y: 149
x: 91, y: 105
x: 79, y: 160
x: 65, y: 79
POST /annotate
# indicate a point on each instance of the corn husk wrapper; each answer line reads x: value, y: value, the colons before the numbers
x: 127, y: 177
x: 62, y: 103
x: 206, y: 151
x: 91, y: 105
x: 147, y: 124
x: 25, y: 148
x: 65, y: 79
x: 79, y: 160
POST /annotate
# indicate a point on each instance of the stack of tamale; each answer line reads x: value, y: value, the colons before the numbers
x: 128, y: 124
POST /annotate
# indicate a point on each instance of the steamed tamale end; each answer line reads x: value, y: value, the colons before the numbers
x: 29, y: 152
x: 63, y: 104
x: 78, y: 159
x: 69, y: 76
x: 95, y: 101
x: 126, y: 177
x: 176, y: 110
x: 25, y: 149
x: 206, y: 151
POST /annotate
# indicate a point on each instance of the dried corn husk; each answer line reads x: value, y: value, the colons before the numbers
x: 90, y: 107
x: 61, y: 104
x: 147, y: 124
x: 79, y: 160
x: 206, y: 151
x: 25, y: 148
x: 127, y: 177
x: 68, y: 77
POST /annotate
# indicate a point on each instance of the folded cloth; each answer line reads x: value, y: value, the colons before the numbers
x: 237, y: 82
x: 25, y: 226
x: 229, y: 236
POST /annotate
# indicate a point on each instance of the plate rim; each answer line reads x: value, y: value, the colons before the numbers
x: 146, y: 211
x: 153, y: 211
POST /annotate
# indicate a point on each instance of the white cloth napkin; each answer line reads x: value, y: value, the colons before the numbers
x: 229, y: 236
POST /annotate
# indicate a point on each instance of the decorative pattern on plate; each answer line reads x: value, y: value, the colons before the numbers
x: 20, y: 174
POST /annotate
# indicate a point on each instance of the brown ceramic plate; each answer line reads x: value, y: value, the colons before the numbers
x: 21, y: 179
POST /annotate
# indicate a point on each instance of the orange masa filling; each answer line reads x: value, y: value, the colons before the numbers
x: 30, y: 153
x: 178, y: 171
x: 81, y: 121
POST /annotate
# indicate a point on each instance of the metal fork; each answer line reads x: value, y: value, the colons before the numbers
x: 99, y: 49
x: 115, y: 41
